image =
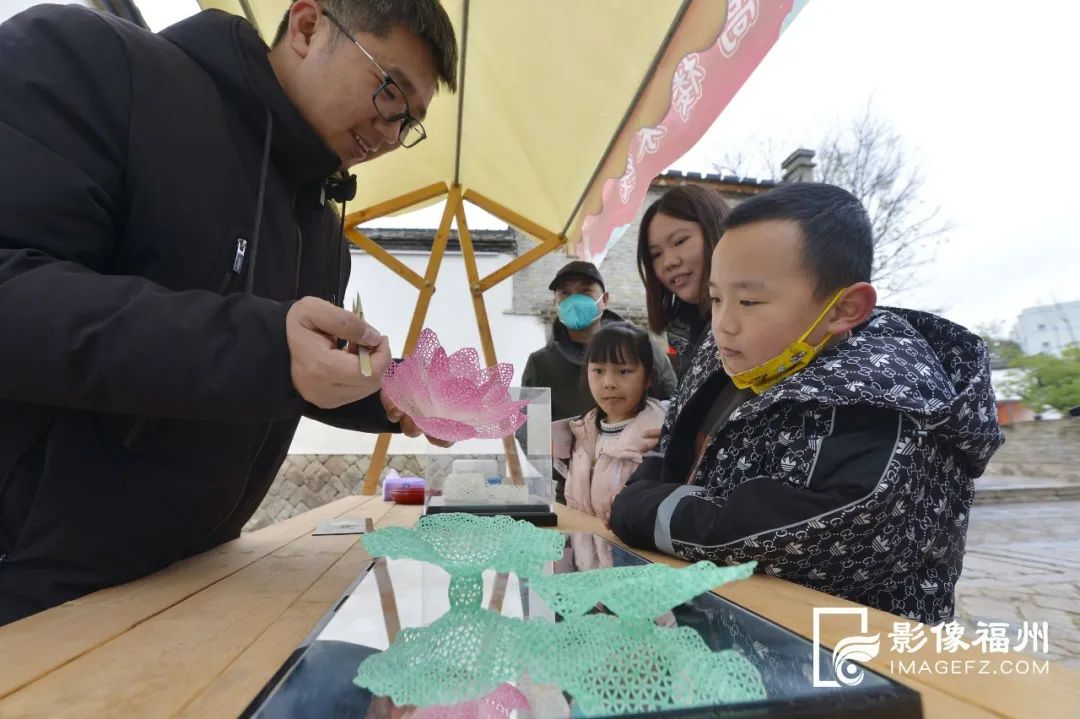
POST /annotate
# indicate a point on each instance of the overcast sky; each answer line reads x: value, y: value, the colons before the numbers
x: 985, y: 97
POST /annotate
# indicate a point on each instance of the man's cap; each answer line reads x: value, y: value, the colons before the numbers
x: 578, y: 268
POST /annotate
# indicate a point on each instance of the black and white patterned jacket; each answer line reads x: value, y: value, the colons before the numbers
x: 854, y: 476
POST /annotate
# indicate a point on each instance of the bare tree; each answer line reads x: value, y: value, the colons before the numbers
x: 867, y: 159
x: 757, y: 158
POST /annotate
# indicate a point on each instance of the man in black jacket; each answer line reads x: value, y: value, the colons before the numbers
x: 171, y: 270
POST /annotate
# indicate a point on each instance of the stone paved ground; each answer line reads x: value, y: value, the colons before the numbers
x: 1023, y: 563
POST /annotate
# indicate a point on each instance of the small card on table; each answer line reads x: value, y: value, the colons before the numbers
x: 342, y: 526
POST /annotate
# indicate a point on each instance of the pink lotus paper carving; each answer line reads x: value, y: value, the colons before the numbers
x: 453, y: 397
x: 499, y: 704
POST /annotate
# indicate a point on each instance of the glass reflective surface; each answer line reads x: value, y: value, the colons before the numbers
x: 393, y: 594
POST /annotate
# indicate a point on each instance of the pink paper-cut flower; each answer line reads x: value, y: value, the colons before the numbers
x: 499, y: 704
x: 453, y: 397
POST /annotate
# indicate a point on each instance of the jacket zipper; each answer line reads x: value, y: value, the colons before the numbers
x: 237, y: 265
x: 338, y: 284
x: 270, y: 425
x: 238, y: 262
x: 299, y: 259
x: 234, y: 270
x: 331, y: 291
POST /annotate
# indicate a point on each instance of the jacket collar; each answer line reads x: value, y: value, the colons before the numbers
x: 230, y: 50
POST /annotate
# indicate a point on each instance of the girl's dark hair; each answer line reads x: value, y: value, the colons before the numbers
x: 692, y: 203
x: 621, y: 343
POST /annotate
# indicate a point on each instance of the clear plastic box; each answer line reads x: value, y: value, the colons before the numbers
x: 511, y: 476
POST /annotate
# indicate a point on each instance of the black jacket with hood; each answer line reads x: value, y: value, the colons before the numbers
x: 160, y: 209
x: 558, y: 366
x: 854, y: 476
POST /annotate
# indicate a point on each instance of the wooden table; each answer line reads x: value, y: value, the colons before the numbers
x: 200, y: 638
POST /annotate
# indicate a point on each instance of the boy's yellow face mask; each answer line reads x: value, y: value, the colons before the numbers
x: 795, y: 356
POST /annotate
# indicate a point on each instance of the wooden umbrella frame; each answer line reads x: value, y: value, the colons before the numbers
x: 453, y: 213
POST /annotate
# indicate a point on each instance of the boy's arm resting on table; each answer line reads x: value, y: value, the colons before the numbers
x: 634, y: 509
x: 764, y: 518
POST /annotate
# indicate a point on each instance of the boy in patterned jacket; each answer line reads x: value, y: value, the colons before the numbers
x: 833, y: 441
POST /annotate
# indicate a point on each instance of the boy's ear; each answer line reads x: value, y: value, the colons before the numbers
x: 853, y: 309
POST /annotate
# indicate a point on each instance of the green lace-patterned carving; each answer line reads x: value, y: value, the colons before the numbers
x: 643, y: 592
x: 463, y: 655
x: 466, y: 544
x: 611, y: 665
x: 466, y: 590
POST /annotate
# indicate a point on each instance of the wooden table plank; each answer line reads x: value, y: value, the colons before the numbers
x: 242, y: 680
x: 160, y: 665
x: 202, y: 637
x: 81, y: 625
x: 231, y: 692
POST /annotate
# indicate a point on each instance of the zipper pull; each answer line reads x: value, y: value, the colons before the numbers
x: 238, y: 259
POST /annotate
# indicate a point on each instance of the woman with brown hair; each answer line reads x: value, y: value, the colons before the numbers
x: 677, y: 236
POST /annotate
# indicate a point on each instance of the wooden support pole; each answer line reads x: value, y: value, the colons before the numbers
x: 520, y: 263
x: 507, y: 215
x: 397, y: 204
x: 377, y: 251
x: 423, y: 302
x: 513, y: 465
x: 438, y: 251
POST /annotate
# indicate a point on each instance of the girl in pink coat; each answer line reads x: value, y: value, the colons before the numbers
x: 610, y: 439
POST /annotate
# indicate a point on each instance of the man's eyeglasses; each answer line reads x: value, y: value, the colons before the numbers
x: 389, y: 99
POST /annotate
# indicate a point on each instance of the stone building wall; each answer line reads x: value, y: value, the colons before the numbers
x: 1049, y: 448
x: 306, y: 481
x: 619, y: 267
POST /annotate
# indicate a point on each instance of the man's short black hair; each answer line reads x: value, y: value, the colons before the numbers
x: 838, y: 239
x: 425, y: 18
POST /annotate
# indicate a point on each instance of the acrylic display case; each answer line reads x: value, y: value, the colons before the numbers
x: 511, y: 476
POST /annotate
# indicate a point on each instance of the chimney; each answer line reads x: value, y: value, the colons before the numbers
x: 799, y: 166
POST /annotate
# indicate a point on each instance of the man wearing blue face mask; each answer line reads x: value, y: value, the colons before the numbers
x: 581, y: 300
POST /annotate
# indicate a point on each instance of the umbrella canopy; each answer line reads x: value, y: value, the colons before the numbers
x: 567, y: 109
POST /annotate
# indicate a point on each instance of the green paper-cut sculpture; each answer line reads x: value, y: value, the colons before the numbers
x: 611, y: 665
x: 643, y: 592
x: 467, y: 544
x: 463, y: 655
